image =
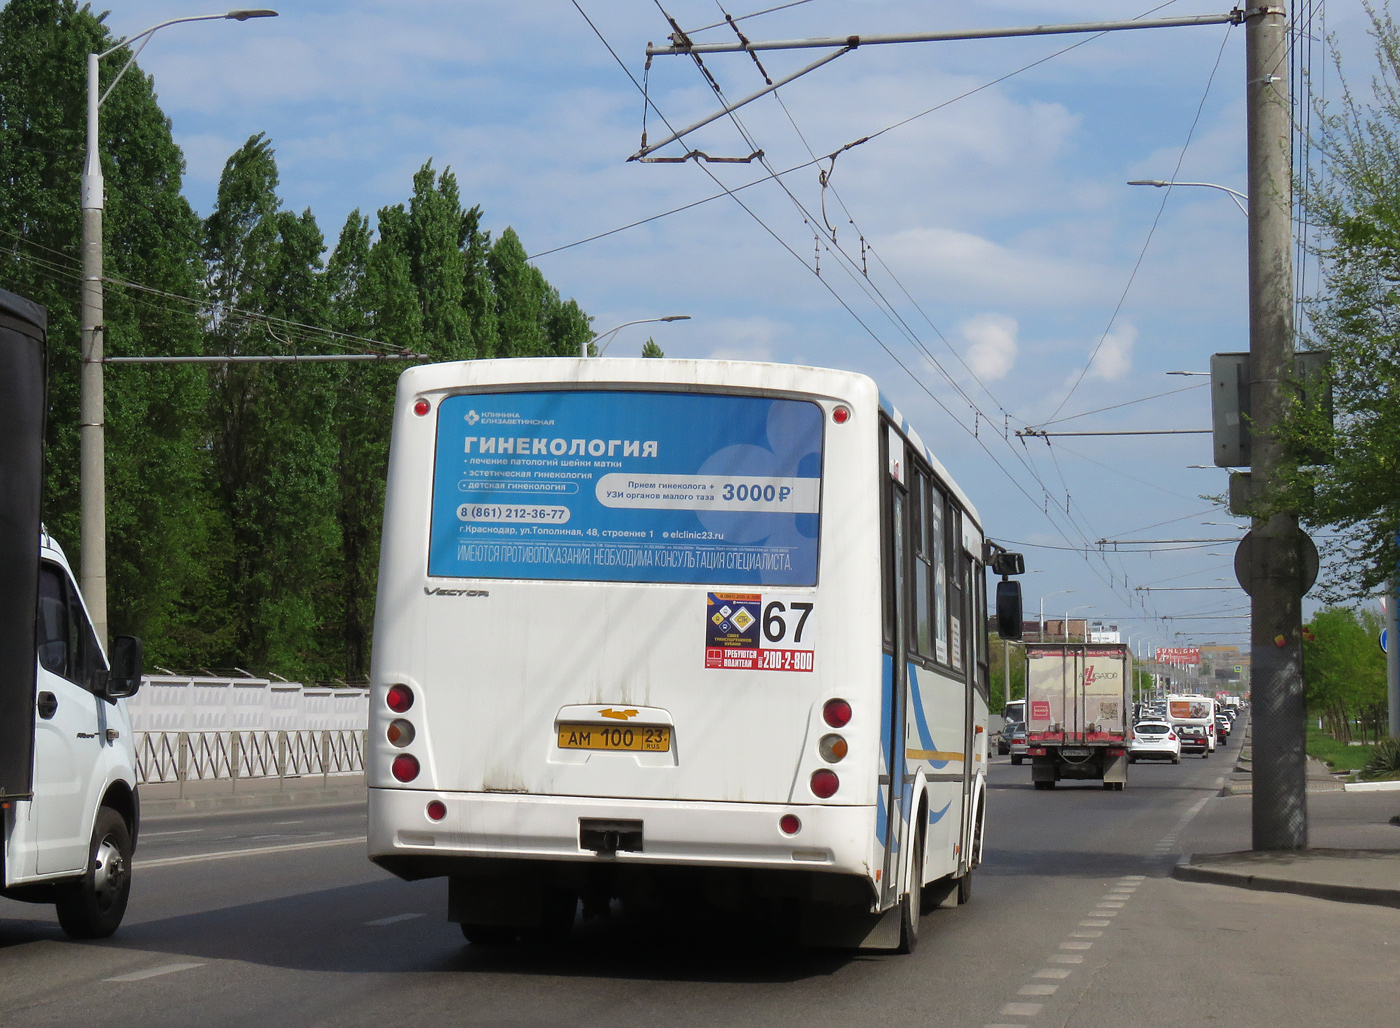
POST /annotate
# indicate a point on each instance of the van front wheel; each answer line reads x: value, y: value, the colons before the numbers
x: 92, y: 907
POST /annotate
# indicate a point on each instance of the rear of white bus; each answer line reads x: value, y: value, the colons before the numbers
x: 603, y: 665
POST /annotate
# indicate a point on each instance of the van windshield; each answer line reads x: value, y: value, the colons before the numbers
x: 699, y: 488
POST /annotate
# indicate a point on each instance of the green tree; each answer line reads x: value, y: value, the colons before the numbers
x: 1344, y: 670
x: 156, y: 515
x: 650, y: 349
x: 1357, y: 317
x: 273, y: 436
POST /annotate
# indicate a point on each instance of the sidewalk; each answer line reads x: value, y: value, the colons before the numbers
x: 168, y: 799
x: 1353, y: 854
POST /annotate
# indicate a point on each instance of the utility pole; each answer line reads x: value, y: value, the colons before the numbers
x: 92, y: 446
x: 1280, y: 819
x: 1392, y: 652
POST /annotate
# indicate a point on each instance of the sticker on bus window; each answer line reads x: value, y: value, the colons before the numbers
x: 701, y: 488
x: 743, y: 632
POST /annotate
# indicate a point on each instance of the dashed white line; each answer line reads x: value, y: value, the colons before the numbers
x: 1095, y: 923
x: 1076, y: 945
x: 161, y: 835
x: 192, y: 858
x: 1067, y: 958
x: 1089, y: 934
x: 1022, y: 1009
x: 1037, y: 990
x: 1052, y: 972
x: 380, y: 922
x: 151, y: 972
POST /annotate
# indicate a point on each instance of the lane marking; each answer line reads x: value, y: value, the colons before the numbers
x: 192, y: 858
x: 380, y: 922
x: 1066, y: 958
x: 182, y: 831
x: 1052, y: 972
x: 151, y: 972
x: 1076, y: 945
x: 1105, y: 913
x: 1108, y: 906
x: 289, y: 822
x: 1022, y: 1009
x: 1094, y: 934
x: 1095, y: 923
x: 1037, y: 990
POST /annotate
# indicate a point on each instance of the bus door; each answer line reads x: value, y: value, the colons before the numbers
x: 894, y: 700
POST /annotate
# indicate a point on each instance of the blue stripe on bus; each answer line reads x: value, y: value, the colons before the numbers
x: 920, y: 721
x: 934, y: 818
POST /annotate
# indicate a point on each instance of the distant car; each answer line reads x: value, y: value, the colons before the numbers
x: 1193, y: 739
x: 1004, y: 738
x: 1154, y: 740
x: 1222, y: 727
x: 1017, y: 739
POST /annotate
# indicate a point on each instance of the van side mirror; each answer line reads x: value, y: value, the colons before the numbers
x: 1009, y: 612
x: 125, y: 676
x: 1006, y: 563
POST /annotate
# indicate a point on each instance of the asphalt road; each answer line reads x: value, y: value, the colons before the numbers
x: 277, y: 919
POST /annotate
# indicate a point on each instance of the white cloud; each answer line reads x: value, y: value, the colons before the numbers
x: 1115, y: 357
x: 745, y: 339
x: 992, y: 354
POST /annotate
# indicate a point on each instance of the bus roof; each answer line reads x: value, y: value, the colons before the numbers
x: 899, y: 419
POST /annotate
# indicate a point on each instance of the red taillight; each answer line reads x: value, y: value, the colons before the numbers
x: 421, y: 408
x: 1171, y: 737
x: 399, y: 698
x: 404, y: 767
x: 437, y: 810
x: 824, y: 784
x: 1035, y: 751
x: 789, y: 824
x: 841, y: 415
x: 836, y: 713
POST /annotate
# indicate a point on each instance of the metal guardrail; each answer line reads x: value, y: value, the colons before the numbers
x: 200, y: 756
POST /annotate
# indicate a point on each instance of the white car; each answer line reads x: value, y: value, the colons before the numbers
x: 1154, y: 740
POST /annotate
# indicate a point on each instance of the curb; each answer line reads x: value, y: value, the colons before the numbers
x: 1187, y: 872
x: 1371, y: 786
x: 162, y: 808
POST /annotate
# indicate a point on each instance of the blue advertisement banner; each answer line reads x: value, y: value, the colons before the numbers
x: 627, y: 487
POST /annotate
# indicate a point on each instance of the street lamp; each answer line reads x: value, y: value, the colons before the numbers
x: 1068, y: 613
x: 92, y: 443
x: 613, y: 331
x: 1239, y: 198
x: 1041, y: 622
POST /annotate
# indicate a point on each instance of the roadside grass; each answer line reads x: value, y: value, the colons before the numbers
x: 1337, y: 755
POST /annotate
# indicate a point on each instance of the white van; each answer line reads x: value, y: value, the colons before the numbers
x: 1194, y: 710
x: 68, y: 771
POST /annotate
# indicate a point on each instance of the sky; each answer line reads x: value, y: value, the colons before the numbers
x: 971, y: 257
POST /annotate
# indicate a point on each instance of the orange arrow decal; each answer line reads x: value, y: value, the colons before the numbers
x: 620, y: 715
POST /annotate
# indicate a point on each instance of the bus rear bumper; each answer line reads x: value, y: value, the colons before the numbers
x: 402, y: 837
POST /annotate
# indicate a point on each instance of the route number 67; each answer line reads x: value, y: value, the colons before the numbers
x: 775, y: 627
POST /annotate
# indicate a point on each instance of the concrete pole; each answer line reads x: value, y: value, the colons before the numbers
x: 92, y: 443
x: 1280, y: 820
x: 1392, y: 655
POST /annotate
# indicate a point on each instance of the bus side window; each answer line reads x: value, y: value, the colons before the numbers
x: 939, y: 553
x: 918, y: 531
x: 983, y: 671
x: 886, y: 539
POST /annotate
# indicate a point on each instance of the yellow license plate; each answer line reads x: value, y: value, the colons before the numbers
x: 639, y: 738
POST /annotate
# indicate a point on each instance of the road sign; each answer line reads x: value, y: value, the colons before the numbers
x: 1239, y: 669
x: 1384, y: 631
x: 1307, y: 563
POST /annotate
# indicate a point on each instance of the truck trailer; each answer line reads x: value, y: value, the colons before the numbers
x: 1076, y: 710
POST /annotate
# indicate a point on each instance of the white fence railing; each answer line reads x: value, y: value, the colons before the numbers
x: 199, y: 756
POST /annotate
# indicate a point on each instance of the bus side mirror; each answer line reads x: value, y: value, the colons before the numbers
x: 1005, y: 563
x: 125, y: 676
x: 1009, y: 612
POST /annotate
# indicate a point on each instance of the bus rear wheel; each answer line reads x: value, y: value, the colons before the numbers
x: 910, y: 907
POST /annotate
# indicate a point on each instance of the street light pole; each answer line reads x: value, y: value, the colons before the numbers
x: 1239, y: 198
x: 1041, y: 622
x: 583, y: 348
x: 92, y: 442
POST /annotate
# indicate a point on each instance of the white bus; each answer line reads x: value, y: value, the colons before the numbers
x: 656, y: 628
x: 1194, y: 709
